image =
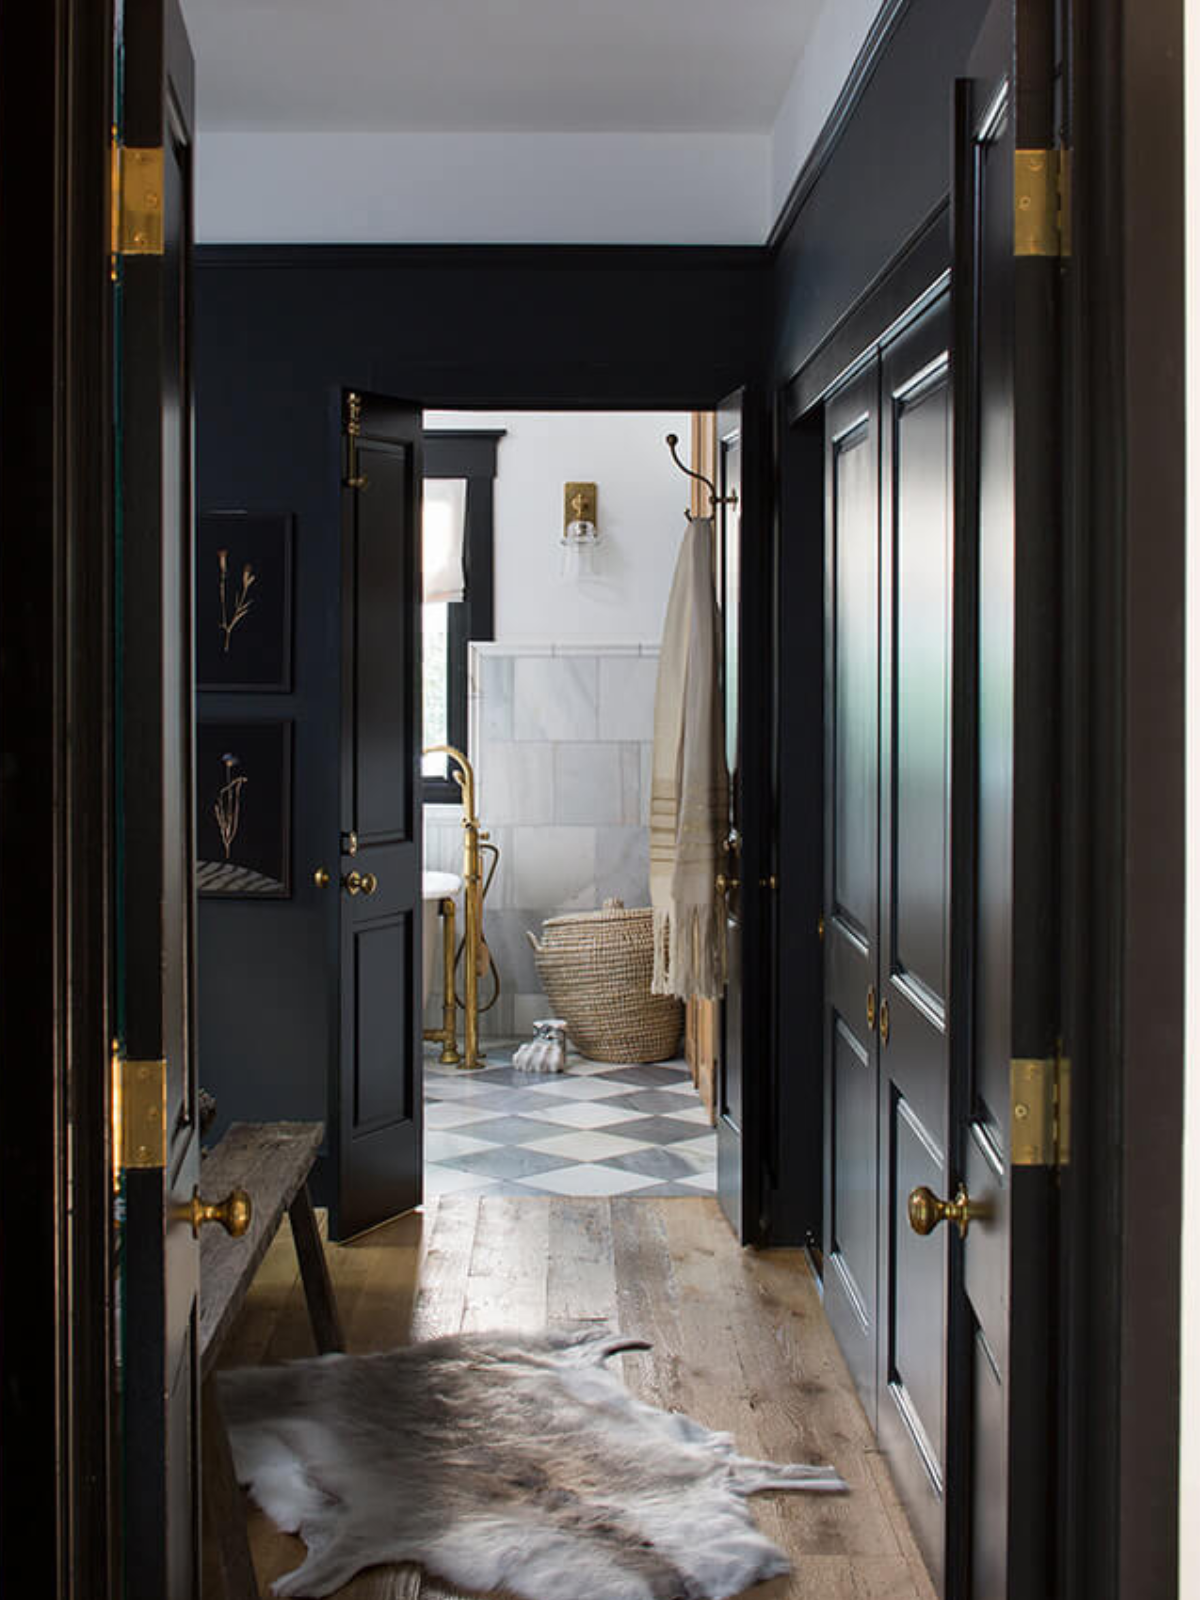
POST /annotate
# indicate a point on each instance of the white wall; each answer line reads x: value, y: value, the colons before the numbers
x: 641, y: 498
x: 1189, y: 1520
x: 473, y: 188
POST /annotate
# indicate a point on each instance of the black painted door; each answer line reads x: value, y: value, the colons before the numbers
x: 1006, y: 410
x: 889, y: 634
x: 745, y: 598
x: 156, y: 943
x: 851, y: 915
x: 913, y: 1023
x: 377, y: 1099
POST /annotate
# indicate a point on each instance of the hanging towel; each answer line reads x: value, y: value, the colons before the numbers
x: 689, y: 791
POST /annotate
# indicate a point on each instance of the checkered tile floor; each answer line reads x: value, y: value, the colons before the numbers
x: 593, y: 1130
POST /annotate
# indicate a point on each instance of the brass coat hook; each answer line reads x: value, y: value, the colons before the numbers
x: 715, y: 499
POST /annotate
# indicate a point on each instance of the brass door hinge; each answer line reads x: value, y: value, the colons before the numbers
x: 139, y: 1092
x: 1041, y: 1112
x: 1042, y: 203
x: 137, y: 200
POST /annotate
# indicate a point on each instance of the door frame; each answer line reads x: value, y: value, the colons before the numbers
x: 56, y: 701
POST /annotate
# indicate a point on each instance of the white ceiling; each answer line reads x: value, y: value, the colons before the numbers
x: 531, y: 66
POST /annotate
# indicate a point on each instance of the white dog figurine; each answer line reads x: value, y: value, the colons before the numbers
x: 546, y: 1051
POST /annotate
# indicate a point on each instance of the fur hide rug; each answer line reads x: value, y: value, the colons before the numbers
x: 501, y: 1461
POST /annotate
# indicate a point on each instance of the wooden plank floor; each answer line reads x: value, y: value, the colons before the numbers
x: 739, y: 1341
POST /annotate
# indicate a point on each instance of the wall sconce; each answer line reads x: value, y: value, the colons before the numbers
x: 580, y: 534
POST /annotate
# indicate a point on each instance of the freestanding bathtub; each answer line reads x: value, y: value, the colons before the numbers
x: 435, y: 887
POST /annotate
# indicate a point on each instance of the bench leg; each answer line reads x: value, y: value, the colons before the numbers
x: 314, y: 1271
x: 224, y: 1504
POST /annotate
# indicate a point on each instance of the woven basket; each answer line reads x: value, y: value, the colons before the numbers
x: 596, y: 969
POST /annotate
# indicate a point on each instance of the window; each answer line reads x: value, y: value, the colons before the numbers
x: 450, y: 625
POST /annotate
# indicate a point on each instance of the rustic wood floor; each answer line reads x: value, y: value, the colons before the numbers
x: 740, y: 1342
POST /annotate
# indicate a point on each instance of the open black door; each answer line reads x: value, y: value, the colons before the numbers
x: 159, y: 1147
x: 1009, y: 1083
x: 745, y: 594
x: 377, y: 1098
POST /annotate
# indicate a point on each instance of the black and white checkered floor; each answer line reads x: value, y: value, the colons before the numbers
x: 594, y: 1130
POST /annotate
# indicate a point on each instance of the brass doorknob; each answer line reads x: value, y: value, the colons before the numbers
x: 233, y: 1213
x: 360, y: 883
x: 925, y: 1210
x: 321, y: 877
x: 726, y: 885
x: 871, y: 1008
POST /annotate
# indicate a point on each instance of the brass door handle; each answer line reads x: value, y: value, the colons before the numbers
x: 885, y: 1021
x: 321, y: 877
x: 925, y: 1210
x: 360, y: 883
x: 871, y: 1009
x: 726, y: 885
x: 233, y: 1213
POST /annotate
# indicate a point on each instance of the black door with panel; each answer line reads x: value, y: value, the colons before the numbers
x: 1006, y: 942
x: 377, y: 1097
x: 743, y: 575
x: 851, y: 916
x: 156, y: 943
x: 889, y: 620
x: 916, y: 649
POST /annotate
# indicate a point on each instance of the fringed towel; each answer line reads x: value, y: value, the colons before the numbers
x: 689, y: 790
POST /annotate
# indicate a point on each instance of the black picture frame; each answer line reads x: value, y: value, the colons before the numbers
x: 247, y: 853
x: 243, y: 589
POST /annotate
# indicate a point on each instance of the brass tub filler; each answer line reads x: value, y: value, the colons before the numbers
x: 473, y: 952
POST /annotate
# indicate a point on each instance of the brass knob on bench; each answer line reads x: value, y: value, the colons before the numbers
x: 233, y: 1213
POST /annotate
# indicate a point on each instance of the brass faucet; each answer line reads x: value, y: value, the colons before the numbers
x: 475, y: 953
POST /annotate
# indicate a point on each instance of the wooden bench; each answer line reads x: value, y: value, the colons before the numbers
x: 271, y: 1161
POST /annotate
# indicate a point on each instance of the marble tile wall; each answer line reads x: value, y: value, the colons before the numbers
x: 561, y: 738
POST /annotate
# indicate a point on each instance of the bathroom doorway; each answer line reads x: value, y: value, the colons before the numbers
x: 541, y: 667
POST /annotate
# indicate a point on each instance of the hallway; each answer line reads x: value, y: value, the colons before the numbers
x: 740, y: 1343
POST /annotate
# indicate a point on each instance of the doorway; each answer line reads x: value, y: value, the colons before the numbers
x: 546, y: 657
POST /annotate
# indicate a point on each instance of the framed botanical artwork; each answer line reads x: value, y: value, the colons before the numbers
x: 244, y: 809
x: 243, y: 599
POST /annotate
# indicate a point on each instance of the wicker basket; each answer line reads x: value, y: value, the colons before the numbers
x: 596, y: 969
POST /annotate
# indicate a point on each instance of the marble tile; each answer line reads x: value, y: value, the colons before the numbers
x: 653, y: 1163
x: 626, y: 697
x: 449, y: 1180
x: 691, y: 1115
x: 528, y: 1009
x: 443, y: 1114
x: 653, y: 1129
x: 623, y: 865
x: 703, y: 1152
x: 554, y: 698
x: 509, y: 1161
x: 567, y: 1087
x: 517, y: 1130
x: 505, y: 932
x: 650, y: 1102
x: 586, y: 1145
x: 441, y: 1145
x: 554, y: 866
x: 589, y: 1114
x: 653, y: 1075
x: 706, y: 1182
x: 494, y: 714
x: 598, y: 1181
x: 588, y: 784
x: 598, y: 647
x: 516, y: 783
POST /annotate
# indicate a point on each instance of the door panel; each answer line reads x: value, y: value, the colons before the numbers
x: 156, y: 941
x: 745, y: 593
x: 377, y: 1098
x: 916, y: 542
x: 852, y: 873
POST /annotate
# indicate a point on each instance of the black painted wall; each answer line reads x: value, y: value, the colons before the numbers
x: 279, y: 332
